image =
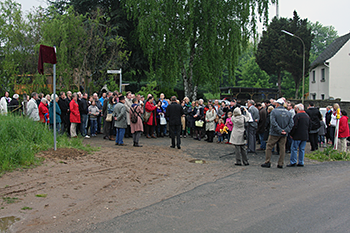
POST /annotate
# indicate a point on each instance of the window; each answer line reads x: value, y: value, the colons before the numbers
x: 314, y: 96
x: 313, y: 76
x: 322, y: 96
x: 322, y: 75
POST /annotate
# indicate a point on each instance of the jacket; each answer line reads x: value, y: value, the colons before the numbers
x: 93, y: 111
x: 128, y: 104
x: 229, y: 124
x: 301, y: 127
x: 255, y: 116
x: 74, y: 112
x: 280, y: 119
x: 138, y: 126
x: 58, y: 112
x: 174, y: 111
x: 237, y: 135
x: 315, y: 117
x: 343, y: 127
x: 262, y: 121
x: 120, y: 113
x: 210, y: 120
x: 83, y: 106
x: 33, y: 110
x: 149, y: 107
x: 43, y: 112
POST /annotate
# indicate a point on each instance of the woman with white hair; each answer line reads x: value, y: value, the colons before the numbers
x: 14, y: 104
x: 43, y: 111
x: 237, y: 135
x: 55, y: 99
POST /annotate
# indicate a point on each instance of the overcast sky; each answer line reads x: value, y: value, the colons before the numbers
x: 327, y: 12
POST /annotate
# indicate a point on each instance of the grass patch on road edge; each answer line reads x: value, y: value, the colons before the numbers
x: 21, y: 139
x: 329, y: 154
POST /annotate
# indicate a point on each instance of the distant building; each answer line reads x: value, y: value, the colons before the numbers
x: 330, y: 72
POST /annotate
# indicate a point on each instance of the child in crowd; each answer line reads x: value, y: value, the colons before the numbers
x: 219, y: 128
x: 229, y: 125
x: 93, y: 113
x: 322, y: 133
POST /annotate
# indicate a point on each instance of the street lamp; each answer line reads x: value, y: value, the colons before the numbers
x: 291, y: 34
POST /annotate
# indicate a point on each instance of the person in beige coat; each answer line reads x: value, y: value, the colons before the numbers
x: 237, y: 135
x: 210, y: 123
x: 136, y: 128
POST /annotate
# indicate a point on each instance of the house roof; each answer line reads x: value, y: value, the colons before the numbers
x: 331, y: 50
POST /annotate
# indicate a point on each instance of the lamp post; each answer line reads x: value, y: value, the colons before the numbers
x: 291, y: 34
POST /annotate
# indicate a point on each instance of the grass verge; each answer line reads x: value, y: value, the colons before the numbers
x: 329, y: 154
x: 21, y: 139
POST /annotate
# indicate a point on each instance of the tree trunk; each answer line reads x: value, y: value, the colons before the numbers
x: 297, y: 85
x: 279, y: 82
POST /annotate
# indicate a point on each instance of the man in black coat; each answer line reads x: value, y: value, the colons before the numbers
x: 299, y: 134
x: 83, y: 109
x: 315, y: 117
x: 173, y: 113
x: 64, y: 106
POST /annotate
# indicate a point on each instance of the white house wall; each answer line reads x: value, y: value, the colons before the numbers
x: 319, y: 87
x: 339, y: 82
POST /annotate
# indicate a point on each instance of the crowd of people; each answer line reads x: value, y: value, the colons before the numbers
x: 278, y: 126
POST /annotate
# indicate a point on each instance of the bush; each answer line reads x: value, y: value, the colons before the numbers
x: 21, y: 139
x: 329, y: 154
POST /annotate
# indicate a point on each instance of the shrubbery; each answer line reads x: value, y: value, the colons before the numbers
x: 329, y: 154
x: 21, y: 139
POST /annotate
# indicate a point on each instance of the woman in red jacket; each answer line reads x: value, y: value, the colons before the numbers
x: 74, y: 115
x: 343, y: 131
x: 152, y: 121
x: 44, y: 111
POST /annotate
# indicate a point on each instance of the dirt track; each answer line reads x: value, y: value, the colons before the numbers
x: 85, y: 189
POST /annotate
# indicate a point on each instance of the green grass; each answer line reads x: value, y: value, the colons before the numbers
x: 41, y: 195
x: 26, y: 208
x: 9, y: 200
x: 329, y: 154
x: 21, y: 139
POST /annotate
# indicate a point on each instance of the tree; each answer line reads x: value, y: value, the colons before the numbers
x: 84, y: 46
x: 293, y: 49
x: 194, y: 40
x: 323, y: 37
x: 253, y: 76
x: 115, y: 18
x: 269, y: 52
x: 278, y: 51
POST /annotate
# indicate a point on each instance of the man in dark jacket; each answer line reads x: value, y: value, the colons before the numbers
x: 299, y: 134
x: 315, y: 117
x: 83, y: 109
x: 328, y: 122
x: 174, y: 112
x: 64, y: 106
x: 261, y: 125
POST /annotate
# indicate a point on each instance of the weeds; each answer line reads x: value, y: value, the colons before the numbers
x: 329, y: 154
x: 9, y: 200
x: 41, y: 195
x: 21, y: 139
x: 26, y: 208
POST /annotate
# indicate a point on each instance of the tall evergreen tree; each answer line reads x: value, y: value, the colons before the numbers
x: 277, y: 51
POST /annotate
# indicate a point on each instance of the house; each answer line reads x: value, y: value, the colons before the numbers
x: 330, y: 72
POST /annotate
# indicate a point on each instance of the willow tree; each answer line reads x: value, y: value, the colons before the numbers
x: 194, y: 40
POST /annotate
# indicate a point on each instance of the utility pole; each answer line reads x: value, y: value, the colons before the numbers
x: 277, y: 10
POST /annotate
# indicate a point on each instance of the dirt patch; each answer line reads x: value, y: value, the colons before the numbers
x: 73, y: 189
x: 62, y: 153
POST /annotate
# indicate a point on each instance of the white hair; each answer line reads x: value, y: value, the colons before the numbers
x: 43, y: 100
x: 53, y: 97
x: 300, y: 107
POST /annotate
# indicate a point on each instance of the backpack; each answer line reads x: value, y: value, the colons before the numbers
x: 133, y: 116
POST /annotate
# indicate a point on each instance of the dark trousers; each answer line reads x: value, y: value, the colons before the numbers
x: 313, y: 141
x: 251, y: 138
x: 332, y: 134
x: 175, y: 131
x: 99, y: 124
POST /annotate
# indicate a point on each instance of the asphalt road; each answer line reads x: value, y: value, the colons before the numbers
x: 254, y: 199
